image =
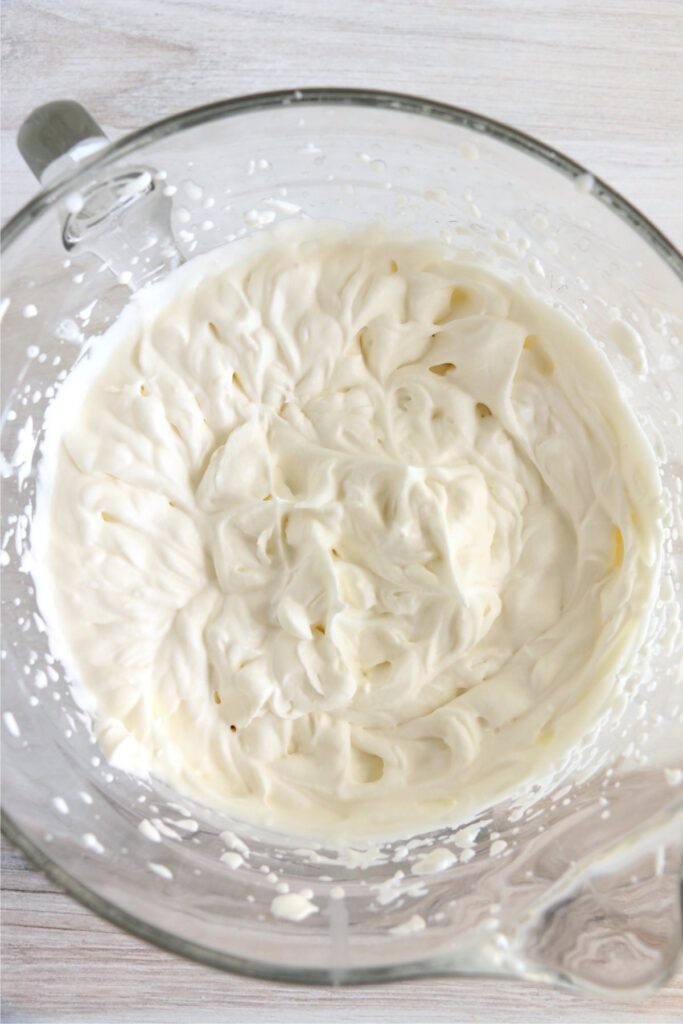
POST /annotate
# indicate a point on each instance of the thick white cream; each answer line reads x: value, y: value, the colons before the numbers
x: 343, y: 536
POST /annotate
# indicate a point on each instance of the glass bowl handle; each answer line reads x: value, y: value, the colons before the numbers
x: 55, y: 138
x: 121, y: 213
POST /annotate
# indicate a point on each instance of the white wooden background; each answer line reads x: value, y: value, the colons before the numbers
x: 600, y: 79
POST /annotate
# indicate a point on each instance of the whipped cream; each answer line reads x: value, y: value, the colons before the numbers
x: 343, y: 536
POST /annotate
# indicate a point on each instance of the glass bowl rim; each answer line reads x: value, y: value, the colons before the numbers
x: 373, y: 98
x: 220, y: 109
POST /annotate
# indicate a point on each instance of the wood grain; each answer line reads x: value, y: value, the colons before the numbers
x: 603, y: 85
x: 603, y: 82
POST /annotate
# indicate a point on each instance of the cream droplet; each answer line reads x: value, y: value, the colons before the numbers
x: 11, y: 724
x: 293, y: 907
x: 437, y: 860
x: 91, y: 842
x: 416, y: 923
x: 60, y: 804
x: 232, y: 859
x: 160, y: 869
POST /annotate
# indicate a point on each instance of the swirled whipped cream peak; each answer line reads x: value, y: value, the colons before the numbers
x: 343, y: 536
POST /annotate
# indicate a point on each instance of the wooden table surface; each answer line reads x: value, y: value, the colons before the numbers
x: 601, y: 81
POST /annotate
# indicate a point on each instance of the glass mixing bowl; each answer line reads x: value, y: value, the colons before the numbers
x: 577, y: 881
